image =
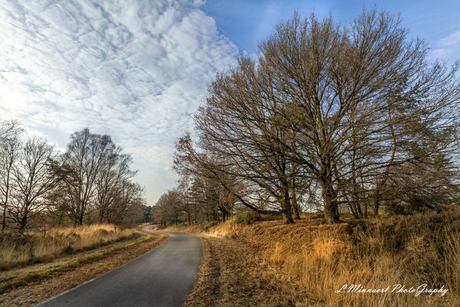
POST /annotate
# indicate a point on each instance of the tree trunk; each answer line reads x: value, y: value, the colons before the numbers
x: 287, y: 208
x: 286, y: 203
x: 60, y: 218
x: 23, y: 222
x: 295, y: 208
x: 80, y: 219
x: 4, y: 217
x: 287, y: 218
x: 376, y: 203
x: 331, y: 213
x: 387, y: 172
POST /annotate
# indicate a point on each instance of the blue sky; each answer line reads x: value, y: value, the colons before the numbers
x: 138, y: 70
x: 248, y: 22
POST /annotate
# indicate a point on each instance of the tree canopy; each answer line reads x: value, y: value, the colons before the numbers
x: 353, y: 109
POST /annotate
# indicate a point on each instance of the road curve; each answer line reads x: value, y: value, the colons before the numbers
x: 162, y: 278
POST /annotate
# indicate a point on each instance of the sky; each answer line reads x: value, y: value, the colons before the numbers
x: 139, y: 70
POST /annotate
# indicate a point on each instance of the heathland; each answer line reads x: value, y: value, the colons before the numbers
x: 259, y: 261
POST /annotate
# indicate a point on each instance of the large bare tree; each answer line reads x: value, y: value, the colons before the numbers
x: 338, y: 101
x: 85, y: 159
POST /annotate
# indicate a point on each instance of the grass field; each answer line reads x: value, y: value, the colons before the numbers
x: 33, y: 247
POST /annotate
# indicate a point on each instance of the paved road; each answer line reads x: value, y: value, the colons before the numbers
x: 160, y: 278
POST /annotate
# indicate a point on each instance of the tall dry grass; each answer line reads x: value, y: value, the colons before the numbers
x: 410, y: 251
x: 28, y: 248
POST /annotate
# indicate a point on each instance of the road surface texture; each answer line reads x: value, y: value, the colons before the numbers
x: 161, y: 278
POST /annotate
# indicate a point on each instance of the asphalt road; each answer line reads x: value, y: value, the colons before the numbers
x: 161, y: 278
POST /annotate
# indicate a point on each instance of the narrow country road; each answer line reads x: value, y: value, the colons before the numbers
x: 161, y: 278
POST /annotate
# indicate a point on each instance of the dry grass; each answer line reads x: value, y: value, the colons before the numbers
x: 23, y: 249
x: 232, y: 275
x: 319, y: 260
x: 70, y: 271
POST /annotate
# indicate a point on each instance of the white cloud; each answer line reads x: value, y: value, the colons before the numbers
x: 448, y: 47
x: 136, y: 70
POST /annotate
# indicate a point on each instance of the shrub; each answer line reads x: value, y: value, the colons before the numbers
x: 247, y: 217
x: 68, y: 249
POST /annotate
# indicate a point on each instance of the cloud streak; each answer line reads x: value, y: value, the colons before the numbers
x: 448, y: 47
x: 136, y: 70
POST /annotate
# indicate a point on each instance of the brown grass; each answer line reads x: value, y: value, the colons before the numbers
x: 318, y: 260
x: 232, y: 275
x: 23, y: 249
x: 70, y: 271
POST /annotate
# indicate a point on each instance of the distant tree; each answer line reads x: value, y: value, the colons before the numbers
x: 128, y: 203
x: 97, y: 182
x: 8, y: 128
x: 213, y: 166
x: 147, y: 214
x: 168, y: 208
x: 188, y: 202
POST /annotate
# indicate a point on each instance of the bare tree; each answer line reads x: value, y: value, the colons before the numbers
x: 206, y: 165
x: 128, y: 202
x: 168, y: 208
x: 85, y: 159
x: 33, y: 180
x: 184, y: 188
x: 10, y: 144
x: 8, y: 128
x: 97, y: 182
x: 333, y: 100
x: 112, y: 181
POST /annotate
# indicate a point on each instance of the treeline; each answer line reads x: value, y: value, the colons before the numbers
x: 91, y: 182
x: 330, y: 115
x: 196, y: 199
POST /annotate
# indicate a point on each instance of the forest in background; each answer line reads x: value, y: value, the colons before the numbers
x: 91, y: 182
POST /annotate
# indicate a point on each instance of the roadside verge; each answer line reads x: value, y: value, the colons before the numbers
x: 33, y: 285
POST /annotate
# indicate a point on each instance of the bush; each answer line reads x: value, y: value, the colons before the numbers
x: 68, y: 249
x: 247, y: 217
